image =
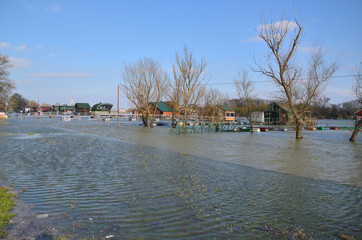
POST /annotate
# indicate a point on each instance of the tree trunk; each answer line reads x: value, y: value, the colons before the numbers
x: 251, y: 123
x: 173, y: 124
x: 145, y: 119
x: 185, y: 122
x: 299, y: 126
x: 151, y: 122
x: 356, y: 130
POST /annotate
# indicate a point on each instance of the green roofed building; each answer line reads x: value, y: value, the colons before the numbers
x: 163, y: 108
x: 63, y: 108
x: 82, y: 107
x: 278, y: 113
x: 229, y: 112
x: 101, y: 107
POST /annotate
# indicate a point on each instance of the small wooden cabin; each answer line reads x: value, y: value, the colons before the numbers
x: 82, y: 107
x: 229, y: 113
x: 164, y: 108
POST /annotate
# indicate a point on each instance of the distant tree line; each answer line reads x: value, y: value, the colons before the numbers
x: 322, y: 109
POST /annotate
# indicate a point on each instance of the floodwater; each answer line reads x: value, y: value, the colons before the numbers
x: 134, y: 182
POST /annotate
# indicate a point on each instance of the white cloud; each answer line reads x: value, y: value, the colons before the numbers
x: 19, y: 63
x: 51, y: 55
x: 54, y: 7
x: 4, y: 45
x: 282, y: 24
x: 307, y: 49
x: 21, y: 48
x: 253, y: 39
x: 60, y: 75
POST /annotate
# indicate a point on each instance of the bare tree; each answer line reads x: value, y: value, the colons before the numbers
x: 245, y: 91
x: 283, y: 39
x: 212, y: 102
x: 6, y: 85
x: 174, y: 96
x: 144, y: 83
x: 357, y: 90
x: 190, y: 75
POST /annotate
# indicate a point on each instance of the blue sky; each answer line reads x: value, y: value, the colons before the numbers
x: 64, y: 49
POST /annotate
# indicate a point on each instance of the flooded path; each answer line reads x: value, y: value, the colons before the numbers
x: 136, y: 182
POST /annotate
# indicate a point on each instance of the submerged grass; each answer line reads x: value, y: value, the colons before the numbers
x: 6, y: 204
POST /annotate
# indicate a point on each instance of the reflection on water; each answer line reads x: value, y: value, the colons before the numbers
x: 92, y: 182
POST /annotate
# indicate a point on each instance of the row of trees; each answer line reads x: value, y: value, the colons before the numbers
x: 18, y: 103
x: 6, y: 85
x: 145, y: 82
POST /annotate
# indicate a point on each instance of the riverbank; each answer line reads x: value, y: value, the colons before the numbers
x: 6, y: 205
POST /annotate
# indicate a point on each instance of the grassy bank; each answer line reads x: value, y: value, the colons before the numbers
x: 6, y: 204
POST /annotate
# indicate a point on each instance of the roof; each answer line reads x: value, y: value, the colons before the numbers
x: 102, y: 107
x: 359, y: 112
x: 162, y: 106
x: 82, y: 105
x: 283, y: 106
x: 227, y: 108
x: 62, y: 107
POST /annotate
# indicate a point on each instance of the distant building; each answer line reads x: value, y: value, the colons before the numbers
x: 258, y: 117
x: 358, y: 115
x: 229, y: 112
x: 102, y: 107
x: 278, y: 113
x: 163, y: 108
x: 63, y: 108
x: 43, y: 109
x: 82, y: 107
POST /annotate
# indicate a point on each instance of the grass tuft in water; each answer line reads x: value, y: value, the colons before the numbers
x: 6, y: 204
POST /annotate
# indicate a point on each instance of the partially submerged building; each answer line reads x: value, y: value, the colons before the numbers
x: 43, y: 109
x: 82, y: 107
x: 164, y: 108
x: 229, y: 112
x: 278, y: 113
x: 102, y: 108
x: 63, y: 108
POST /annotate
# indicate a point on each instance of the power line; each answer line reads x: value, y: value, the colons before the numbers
x: 95, y: 94
x: 226, y: 83
x: 269, y: 81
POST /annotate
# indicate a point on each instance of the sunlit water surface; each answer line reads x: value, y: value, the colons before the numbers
x: 135, y: 182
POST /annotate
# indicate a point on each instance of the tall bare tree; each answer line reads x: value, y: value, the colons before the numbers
x: 283, y: 39
x: 357, y: 90
x: 190, y: 75
x: 245, y: 91
x: 174, y: 96
x: 212, y: 103
x: 6, y: 85
x: 144, y: 82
